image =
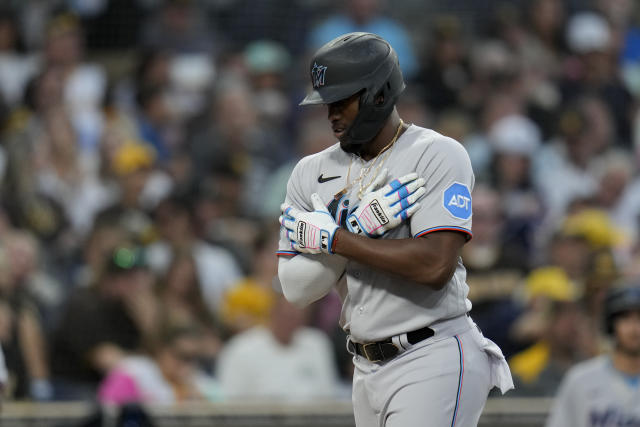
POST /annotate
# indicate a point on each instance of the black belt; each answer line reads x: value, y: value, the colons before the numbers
x: 379, y: 351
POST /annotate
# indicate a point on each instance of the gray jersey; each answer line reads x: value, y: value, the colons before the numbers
x: 378, y: 305
x: 595, y: 394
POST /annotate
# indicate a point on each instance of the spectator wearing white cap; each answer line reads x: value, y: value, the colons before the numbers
x: 593, y: 68
x: 515, y: 139
x: 588, y: 32
x: 563, y: 168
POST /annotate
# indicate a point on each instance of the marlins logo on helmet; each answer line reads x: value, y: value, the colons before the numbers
x: 317, y: 74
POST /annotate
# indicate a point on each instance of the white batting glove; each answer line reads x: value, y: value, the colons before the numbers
x: 309, y: 232
x: 384, y: 209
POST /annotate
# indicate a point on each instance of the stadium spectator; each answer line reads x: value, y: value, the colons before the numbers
x: 245, y: 305
x: 216, y: 268
x: 17, y: 66
x: 105, y: 235
x: 182, y: 303
x: 101, y: 324
x: 496, y: 268
x: 153, y: 119
x: 66, y: 176
x: 563, y: 168
x: 24, y: 135
x: 593, y: 69
x: 169, y: 375
x: 179, y: 26
x: 268, y: 64
x: 445, y: 71
x: 84, y: 83
x: 556, y: 322
x: 283, y: 21
x: 233, y: 142
x: 368, y: 16
x: 137, y: 185
x: 23, y: 296
x: 283, y: 361
x: 515, y: 140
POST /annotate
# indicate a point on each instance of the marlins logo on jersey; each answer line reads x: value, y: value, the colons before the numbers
x: 612, y: 417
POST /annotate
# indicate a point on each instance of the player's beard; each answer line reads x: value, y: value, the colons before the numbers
x: 350, y: 147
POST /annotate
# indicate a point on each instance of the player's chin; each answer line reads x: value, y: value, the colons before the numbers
x: 349, y: 148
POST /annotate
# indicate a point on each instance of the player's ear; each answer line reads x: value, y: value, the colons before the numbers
x: 379, y: 99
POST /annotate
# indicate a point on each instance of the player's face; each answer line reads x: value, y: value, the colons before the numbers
x: 342, y: 113
x: 627, y: 330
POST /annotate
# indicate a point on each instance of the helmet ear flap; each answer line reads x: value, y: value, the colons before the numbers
x: 385, y: 93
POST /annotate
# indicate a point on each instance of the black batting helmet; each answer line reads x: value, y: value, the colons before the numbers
x: 620, y: 300
x: 353, y: 63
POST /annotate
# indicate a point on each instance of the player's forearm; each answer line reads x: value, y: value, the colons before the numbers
x: 307, y: 278
x: 429, y: 260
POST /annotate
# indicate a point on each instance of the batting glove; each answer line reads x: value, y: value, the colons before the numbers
x: 384, y: 209
x: 309, y: 232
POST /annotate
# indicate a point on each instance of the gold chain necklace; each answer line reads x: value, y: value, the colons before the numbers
x: 364, y: 172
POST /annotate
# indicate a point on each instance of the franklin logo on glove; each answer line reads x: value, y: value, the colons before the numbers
x: 302, y: 231
x: 377, y: 211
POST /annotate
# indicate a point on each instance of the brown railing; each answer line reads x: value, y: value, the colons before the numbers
x: 497, y: 413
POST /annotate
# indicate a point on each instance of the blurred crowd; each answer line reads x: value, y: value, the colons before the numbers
x: 145, y: 147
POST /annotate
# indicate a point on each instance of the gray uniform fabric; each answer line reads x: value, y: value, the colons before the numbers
x: 595, y: 394
x: 377, y: 305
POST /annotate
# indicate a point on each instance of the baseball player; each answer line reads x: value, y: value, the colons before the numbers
x: 382, y: 216
x: 605, y: 391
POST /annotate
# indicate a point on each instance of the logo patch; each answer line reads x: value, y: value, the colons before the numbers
x: 457, y: 200
x: 355, y: 226
x: 317, y: 74
x: 324, y: 241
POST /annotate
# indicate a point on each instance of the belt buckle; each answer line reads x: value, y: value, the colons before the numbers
x: 366, y: 353
x: 381, y: 346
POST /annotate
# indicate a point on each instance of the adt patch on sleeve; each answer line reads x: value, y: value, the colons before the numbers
x: 457, y: 200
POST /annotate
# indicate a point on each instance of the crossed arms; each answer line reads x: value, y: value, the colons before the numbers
x: 325, y: 248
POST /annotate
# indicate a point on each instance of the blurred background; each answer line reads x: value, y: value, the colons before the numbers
x: 145, y: 147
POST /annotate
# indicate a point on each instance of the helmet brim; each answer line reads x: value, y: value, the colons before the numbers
x: 331, y: 94
x: 314, y: 98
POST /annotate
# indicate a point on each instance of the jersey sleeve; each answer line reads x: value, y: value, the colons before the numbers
x: 446, y: 205
x: 297, y: 198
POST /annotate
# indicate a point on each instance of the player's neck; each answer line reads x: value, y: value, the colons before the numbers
x: 626, y: 363
x: 383, y: 138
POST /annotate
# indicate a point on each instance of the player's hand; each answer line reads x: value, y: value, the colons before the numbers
x: 309, y: 232
x: 384, y: 209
